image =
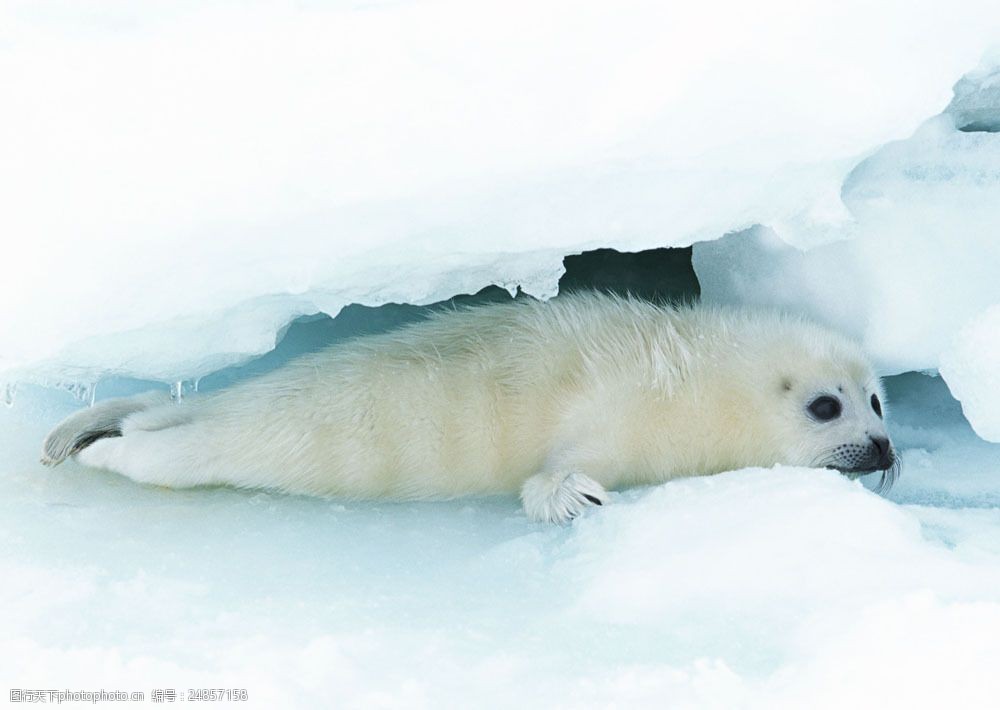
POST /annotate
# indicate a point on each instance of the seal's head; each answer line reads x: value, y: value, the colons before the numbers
x: 834, y: 401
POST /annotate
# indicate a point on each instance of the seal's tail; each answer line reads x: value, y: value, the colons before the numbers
x: 103, y: 420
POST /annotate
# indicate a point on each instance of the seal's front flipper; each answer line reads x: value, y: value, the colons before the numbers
x: 560, y: 497
x: 102, y: 421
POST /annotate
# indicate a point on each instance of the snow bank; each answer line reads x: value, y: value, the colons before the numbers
x: 972, y: 369
x: 183, y: 179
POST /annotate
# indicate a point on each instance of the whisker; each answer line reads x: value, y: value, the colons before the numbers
x: 824, y: 459
x: 889, y: 476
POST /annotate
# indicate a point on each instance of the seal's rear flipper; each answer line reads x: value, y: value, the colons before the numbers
x: 103, y: 420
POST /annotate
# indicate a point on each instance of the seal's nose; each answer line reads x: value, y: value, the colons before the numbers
x: 884, y: 449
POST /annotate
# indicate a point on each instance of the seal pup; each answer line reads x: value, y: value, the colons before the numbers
x: 560, y: 400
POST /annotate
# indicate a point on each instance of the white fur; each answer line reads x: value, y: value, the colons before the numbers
x: 560, y: 400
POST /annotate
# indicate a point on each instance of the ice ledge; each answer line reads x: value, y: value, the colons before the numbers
x: 976, y: 104
x: 192, y: 346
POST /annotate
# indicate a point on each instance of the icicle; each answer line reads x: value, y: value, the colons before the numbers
x: 81, y: 391
x: 9, y: 392
x: 181, y: 387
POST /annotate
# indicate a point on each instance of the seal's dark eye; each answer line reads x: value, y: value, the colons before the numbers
x: 825, y: 408
x: 876, y: 405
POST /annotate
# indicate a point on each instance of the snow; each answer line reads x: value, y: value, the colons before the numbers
x: 758, y: 588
